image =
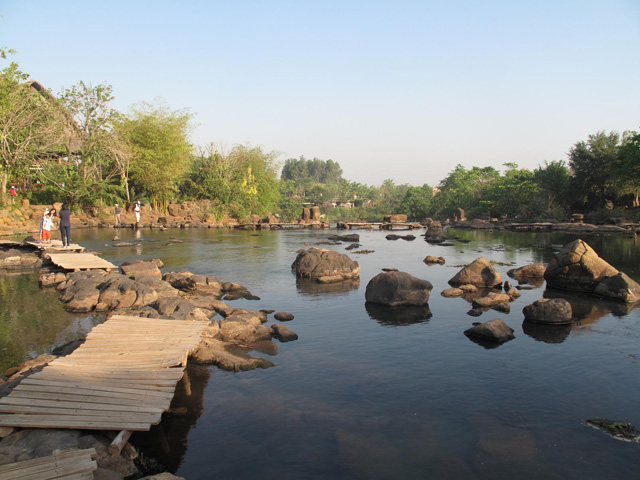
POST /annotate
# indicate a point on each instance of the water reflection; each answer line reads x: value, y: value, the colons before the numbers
x: 588, y: 309
x: 308, y: 286
x: 546, y: 333
x: 167, y: 442
x: 398, y: 316
x: 32, y: 321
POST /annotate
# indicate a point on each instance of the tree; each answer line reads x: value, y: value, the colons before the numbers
x: 30, y: 124
x: 161, y: 151
x: 554, y: 181
x: 514, y: 194
x: 626, y: 169
x: 97, y: 151
x: 592, y: 163
x: 416, y: 203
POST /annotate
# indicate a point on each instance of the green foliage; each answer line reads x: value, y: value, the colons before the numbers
x: 416, y: 203
x: 242, y: 183
x: 592, y: 162
x: 161, y: 151
x: 626, y: 170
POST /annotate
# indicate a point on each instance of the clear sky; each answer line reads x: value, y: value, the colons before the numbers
x: 402, y: 90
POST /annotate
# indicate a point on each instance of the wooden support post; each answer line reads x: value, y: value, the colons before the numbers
x: 118, y: 443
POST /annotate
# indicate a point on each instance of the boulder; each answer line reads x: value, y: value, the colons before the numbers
x: 491, y: 300
x: 577, y: 267
x: 283, y: 316
x: 236, y: 330
x: 226, y: 356
x: 434, y: 233
x: 619, y: 287
x: 430, y: 259
x: 283, y: 333
x: 452, y: 292
x: 316, y: 263
x: 351, y: 237
x: 511, y: 291
x: 535, y: 270
x: 493, y: 331
x: 479, y: 273
x: 398, y: 289
x: 556, y: 311
x: 138, y: 268
x: 396, y: 218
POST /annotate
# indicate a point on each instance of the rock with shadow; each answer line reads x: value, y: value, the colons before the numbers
x: 587, y: 309
x: 325, y: 266
x: 398, y: 316
x: 490, y: 334
x: 480, y: 273
x: 577, y: 267
x: 394, y: 289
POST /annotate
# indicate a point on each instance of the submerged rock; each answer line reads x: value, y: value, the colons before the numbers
x: 535, y: 270
x: 398, y: 289
x: 431, y: 259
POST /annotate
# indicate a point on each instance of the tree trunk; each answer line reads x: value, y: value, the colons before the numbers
x: 3, y: 186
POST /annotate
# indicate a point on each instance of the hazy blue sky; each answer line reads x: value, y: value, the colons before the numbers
x: 402, y: 90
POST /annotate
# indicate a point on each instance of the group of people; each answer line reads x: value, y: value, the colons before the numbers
x: 47, y: 224
x: 118, y: 212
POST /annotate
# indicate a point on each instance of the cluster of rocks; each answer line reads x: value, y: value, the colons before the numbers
x: 19, y: 260
x: 143, y: 290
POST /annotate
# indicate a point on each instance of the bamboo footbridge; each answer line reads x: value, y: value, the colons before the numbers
x: 122, y: 378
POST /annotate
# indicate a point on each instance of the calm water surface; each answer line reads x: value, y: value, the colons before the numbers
x: 368, y: 394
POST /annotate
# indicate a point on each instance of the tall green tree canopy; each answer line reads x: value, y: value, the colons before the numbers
x: 626, y: 170
x: 161, y: 151
x: 30, y: 124
x: 592, y: 163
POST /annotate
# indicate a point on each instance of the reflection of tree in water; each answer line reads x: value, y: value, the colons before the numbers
x: 398, y: 316
x: 546, y: 333
x: 588, y: 309
x: 167, y: 442
x: 32, y: 321
x: 308, y: 286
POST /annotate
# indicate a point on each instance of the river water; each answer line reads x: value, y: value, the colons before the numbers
x: 364, y: 394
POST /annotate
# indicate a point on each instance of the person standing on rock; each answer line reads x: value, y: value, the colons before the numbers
x: 117, y: 212
x: 65, y: 225
x: 137, y: 210
x: 13, y: 193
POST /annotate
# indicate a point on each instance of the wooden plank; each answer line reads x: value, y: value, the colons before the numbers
x: 115, y: 373
x: 79, y: 389
x: 95, y: 387
x: 73, y: 401
x: 90, y: 408
x: 33, y: 410
x: 71, y: 422
x: 59, y: 465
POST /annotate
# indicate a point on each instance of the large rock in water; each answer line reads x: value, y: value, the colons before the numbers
x: 325, y: 265
x: 479, y: 273
x: 493, y: 331
x: 556, y: 311
x: 398, y: 289
x: 578, y: 267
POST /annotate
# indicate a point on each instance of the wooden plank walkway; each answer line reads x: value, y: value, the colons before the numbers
x: 56, y: 246
x: 79, y: 261
x: 62, y: 465
x: 122, y: 377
